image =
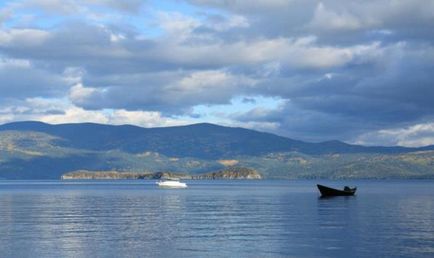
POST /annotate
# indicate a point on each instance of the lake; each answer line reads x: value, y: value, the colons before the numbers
x: 215, y: 219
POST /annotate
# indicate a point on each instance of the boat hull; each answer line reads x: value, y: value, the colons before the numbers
x: 171, y: 184
x: 327, y: 191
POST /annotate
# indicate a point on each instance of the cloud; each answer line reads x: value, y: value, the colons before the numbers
x: 25, y: 38
x: 249, y: 100
x: 129, y: 6
x: 221, y: 23
x: 333, y: 21
x: 167, y: 92
x: 118, y: 117
x: 19, y: 79
x: 414, y: 136
x: 391, y: 90
x: 253, y: 5
x: 64, y: 7
x: 71, y: 7
x: 343, y: 69
x: 325, y: 19
x: 59, y: 111
x: 146, y: 119
x: 5, y: 14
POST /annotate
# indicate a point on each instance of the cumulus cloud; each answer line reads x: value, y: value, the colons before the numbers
x: 72, y: 7
x: 167, y: 92
x: 414, y: 136
x: 119, y: 117
x: 256, y: 5
x: 57, y: 111
x: 324, y: 18
x: 130, y: 6
x: 344, y: 69
x: 392, y: 90
x: 143, y: 118
x: 20, y: 79
x: 25, y: 38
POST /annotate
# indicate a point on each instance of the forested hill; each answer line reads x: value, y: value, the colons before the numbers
x: 205, y: 141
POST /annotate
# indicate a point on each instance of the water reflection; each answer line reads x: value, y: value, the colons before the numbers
x: 337, y: 228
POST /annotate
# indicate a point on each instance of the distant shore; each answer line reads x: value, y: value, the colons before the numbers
x: 236, y: 173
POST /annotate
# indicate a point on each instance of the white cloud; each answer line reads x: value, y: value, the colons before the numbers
x: 411, y: 136
x: 75, y: 115
x: 210, y: 80
x: 177, y: 26
x: 143, y: 118
x: 207, y: 87
x: 40, y: 105
x: 6, y: 118
x: 227, y: 23
x: 74, y: 75
x: 23, y: 37
x: 31, y: 109
x: 258, y: 126
x: 325, y: 18
x: 57, y: 111
x: 79, y: 93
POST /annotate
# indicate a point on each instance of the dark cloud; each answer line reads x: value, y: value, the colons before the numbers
x: 249, y: 100
x: 55, y: 112
x: 71, y: 8
x: 394, y: 91
x: 130, y: 6
x: 18, y: 79
x: 335, y: 21
x: 173, y: 92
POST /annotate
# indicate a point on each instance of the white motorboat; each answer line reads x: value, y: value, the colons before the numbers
x: 171, y: 183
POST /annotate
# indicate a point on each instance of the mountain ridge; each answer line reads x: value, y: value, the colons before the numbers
x: 203, y: 140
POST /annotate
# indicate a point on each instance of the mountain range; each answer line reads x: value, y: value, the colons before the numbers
x: 36, y: 150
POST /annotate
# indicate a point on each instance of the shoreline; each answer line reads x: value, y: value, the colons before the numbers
x: 228, y: 173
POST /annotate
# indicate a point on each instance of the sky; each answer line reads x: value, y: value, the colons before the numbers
x: 356, y: 71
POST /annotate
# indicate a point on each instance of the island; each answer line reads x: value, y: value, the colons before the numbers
x: 237, y: 173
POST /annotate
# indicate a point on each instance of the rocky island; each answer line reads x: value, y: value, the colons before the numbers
x: 228, y: 173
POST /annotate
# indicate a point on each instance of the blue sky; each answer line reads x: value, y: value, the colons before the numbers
x: 356, y: 71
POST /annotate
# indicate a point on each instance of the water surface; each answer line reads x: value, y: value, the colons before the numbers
x: 215, y: 219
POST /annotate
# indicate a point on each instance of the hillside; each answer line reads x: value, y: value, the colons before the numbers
x: 415, y: 165
x: 34, y: 150
x: 204, y: 141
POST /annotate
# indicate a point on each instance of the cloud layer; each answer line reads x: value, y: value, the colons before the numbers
x: 348, y: 70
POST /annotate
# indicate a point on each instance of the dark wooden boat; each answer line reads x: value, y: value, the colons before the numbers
x: 327, y: 191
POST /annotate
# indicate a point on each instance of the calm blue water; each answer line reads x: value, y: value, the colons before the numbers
x: 215, y: 219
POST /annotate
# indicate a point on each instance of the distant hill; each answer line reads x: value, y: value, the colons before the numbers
x: 204, y: 141
x: 35, y: 150
x: 229, y: 173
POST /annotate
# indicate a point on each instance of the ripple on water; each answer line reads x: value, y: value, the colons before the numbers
x: 227, y: 219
